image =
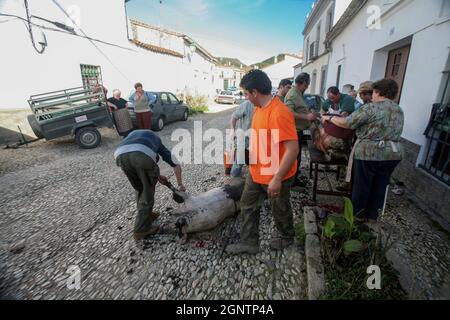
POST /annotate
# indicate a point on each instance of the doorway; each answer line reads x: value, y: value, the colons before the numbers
x: 396, y: 67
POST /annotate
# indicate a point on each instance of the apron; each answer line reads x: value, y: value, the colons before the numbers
x: 381, y: 144
x: 122, y: 120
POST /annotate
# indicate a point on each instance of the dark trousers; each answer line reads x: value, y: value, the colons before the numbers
x: 299, y: 157
x: 251, y: 201
x: 370, y: 179
x: 144, y: 120
x: 143, y: 173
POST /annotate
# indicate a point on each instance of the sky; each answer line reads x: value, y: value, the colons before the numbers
x: 250, y: 30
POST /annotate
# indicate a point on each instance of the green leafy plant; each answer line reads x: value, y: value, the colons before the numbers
x: 199, y: 109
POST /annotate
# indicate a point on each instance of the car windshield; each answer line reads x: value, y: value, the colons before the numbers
x: 226, y: 93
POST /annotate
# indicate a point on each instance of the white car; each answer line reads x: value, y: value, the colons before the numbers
x: 225, y: 97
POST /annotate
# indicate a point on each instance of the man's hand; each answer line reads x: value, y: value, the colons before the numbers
x: 311, y: 117
x: 274, y: 188
x: 163, y: 180
x: 181, y: 188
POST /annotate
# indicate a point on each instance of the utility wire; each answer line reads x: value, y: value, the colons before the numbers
x: 92, y: 42
x: 65, y: 30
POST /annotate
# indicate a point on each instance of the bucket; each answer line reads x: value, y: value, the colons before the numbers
x: 337, y: 132
x: 228, y: 159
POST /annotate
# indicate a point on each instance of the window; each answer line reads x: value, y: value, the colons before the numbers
x: 437, y: 155
x: 307, y: 50
x: 313, y: 82
x: 165, y: 98
x: 323, y: 79
x: 329, y: 21
x: 312, y: 53
x: 173, y: 99
x: 91, y: 75
x: 317, y: 40
x: 338, y: 78
x: 396, y: 64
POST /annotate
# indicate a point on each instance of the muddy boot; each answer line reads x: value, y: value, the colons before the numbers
x: 242, y: 247
x: 281, y: 243
x: 141, y: 235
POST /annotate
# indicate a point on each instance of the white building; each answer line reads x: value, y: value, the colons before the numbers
x: 105, y: 40
x: 280, y: 67
x: 409, y: 41
x: 198, y: 65
x: 227, y: 76
x: 323, y: 16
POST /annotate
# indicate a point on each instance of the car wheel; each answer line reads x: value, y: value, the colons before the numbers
x: 160, y: 124
x: 35, y: 126
x: 185, y: 115
x: 88, y: 137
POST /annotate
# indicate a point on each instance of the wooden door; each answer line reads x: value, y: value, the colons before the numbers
x: 396, y: 67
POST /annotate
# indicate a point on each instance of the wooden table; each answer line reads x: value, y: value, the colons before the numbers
x: 318, y: 158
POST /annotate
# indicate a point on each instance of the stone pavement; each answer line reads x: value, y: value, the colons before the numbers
x: 61, y: 206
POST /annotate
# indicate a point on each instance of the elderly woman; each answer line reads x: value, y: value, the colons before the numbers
x: 119, y: 108
x: 142, y: 101
x: 377, y: 151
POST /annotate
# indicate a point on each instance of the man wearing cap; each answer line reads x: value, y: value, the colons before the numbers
x: 296, y: 103
x: 365, y: 92
x: 283, y: 88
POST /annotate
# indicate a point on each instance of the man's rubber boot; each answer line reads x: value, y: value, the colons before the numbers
x: 281, y: 243
x: 142, y: 235
x: 242, y: 247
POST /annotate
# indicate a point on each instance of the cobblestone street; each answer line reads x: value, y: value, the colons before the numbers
x: 64, y: 206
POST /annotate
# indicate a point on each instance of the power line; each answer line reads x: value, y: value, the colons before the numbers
x: 65, y: 30
x: 92, y: 42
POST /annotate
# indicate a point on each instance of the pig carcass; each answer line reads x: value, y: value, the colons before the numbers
x: 208, y: 210
x: 333, y: 148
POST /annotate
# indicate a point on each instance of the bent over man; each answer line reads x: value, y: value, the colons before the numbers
x: 137, y: 156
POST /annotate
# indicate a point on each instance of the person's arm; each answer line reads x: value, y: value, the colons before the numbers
x: 356, y: 119
x: 233, y: 125
x: 177, y: 171
x: 339, y: 121
x: 111, y: 105
x: 167, y: 157
x: 289, y: 157
x: 289, y: 102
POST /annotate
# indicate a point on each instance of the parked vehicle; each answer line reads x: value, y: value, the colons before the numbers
x: 239, y: 97
x: 76, y: 111
x: 167, y: 108
x: 314, y: 101
x: 225, y: 96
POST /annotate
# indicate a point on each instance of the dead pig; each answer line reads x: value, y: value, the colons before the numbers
x: 209, y: 209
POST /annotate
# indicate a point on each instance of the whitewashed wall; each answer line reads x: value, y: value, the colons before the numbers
x: 25, y: 72
x: 281, y: 70
x: 363, y: 55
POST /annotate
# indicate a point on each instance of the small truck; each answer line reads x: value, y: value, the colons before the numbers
x: 76, y: 111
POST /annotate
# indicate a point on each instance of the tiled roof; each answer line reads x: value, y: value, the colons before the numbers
x: 156, y: 48
x: 354, y: 7
x: 149, y: 26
